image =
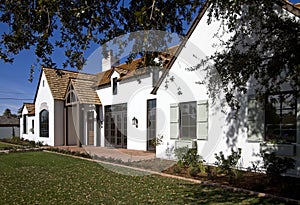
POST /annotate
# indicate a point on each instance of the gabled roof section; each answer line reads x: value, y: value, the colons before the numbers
x: 9, y: 121
x: 127, y: 70
x: 58, y: 80
x: 103, y: 78
x: 292, y: 8
x: 181, y: 46
x: 30, y: 108
x: 85, y: 91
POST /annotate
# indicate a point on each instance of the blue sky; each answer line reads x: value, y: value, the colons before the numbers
x: 15, y: 89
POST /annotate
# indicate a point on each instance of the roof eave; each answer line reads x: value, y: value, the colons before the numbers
x: 181, y: 46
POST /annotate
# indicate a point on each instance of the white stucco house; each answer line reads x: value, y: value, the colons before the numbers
x: 127, y: 107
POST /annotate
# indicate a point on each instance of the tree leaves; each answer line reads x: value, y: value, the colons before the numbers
x: 73, y: 25
x: 264, y: 46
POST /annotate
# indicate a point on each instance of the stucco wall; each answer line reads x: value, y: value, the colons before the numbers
x: 30, y: 133
x: 223, y: 132
x: 44, y: 100
x: 135, y: 93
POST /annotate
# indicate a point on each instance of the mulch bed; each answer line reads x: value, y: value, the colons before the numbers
x: 284, y: 186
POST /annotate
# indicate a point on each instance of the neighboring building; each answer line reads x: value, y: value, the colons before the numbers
x: 125, y: 106
x: 9, y: 127
x: 27, y: 122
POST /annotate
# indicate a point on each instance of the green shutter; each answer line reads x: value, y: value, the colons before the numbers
x: 255, y: 120
x: 174, y: 121
x: 202, y: 120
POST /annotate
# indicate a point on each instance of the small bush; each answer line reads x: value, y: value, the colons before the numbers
x: 180, y: 152
x: 194, y: 171
x: 177, y: 169
x: 212, y: 172
x: 275, y: 166
x: 229, y: 164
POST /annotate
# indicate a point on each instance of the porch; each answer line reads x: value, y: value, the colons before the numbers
x: 126, y: 155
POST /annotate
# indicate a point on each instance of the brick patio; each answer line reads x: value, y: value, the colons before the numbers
x: 126, y: 155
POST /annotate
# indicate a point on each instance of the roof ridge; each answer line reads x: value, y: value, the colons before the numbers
x: 65, y: 70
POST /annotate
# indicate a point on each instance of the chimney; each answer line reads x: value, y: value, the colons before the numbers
x: 110, y: 61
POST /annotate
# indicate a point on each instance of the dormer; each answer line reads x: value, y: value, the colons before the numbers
x: 114, y: 82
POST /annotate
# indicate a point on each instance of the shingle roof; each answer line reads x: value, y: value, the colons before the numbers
x: 85, y: 92
x: 9, y: 121
x: 30, y: 108
x: 58, y: 80
x: 131, y: 69
x: 103, y: 78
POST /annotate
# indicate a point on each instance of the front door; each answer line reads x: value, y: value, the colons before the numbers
x: 151, y: 124
x: 90, y: 127
x: 116, y: 126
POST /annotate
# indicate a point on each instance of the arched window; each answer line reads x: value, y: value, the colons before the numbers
x: 44, y: 123
x: 71, y: 98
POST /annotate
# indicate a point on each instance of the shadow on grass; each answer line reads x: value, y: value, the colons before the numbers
x: 204, y: 194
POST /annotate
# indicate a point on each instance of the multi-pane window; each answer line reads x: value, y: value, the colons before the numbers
x: 188, y: 120
x: 281, y: 117
x: 44, y: 123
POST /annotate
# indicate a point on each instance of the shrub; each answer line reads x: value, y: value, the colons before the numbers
x: 229, y: 164
x: 180, y: 152
x: 274, y: 165
x: 193, y: 171
x: 211, y: 172
x: 176, y: 169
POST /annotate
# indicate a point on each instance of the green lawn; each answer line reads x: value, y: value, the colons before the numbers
x: 6, y: 145
x: 48, y: 178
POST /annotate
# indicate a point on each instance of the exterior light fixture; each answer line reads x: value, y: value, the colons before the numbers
x: 135, y: 122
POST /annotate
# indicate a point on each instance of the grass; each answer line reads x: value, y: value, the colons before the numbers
x: 48, y: 178
x: 7, y: 146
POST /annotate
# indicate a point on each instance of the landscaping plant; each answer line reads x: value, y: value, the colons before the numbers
x: 275, y: 165
x: 228, y: 165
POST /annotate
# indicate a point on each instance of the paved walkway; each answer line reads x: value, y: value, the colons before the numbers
x: 126, y: 155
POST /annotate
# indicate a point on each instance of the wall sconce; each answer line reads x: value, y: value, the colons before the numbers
x: 135, y: 122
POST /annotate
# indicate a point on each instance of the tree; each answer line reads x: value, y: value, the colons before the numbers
x: 264, y: 47
x: 78, y: 24
x: 264, y: 42
x: 7, y: 112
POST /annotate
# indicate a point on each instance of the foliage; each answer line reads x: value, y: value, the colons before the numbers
x: 255, y: 166
x: 194, y: 170
x: 229, y: 164
x: 23, y: 142
x: 177, y: 168
x: 69, y: 152
x: 180, y: 152
x: 188, y: 156
x: 275, y: 165
x: 263, y: 44
x: 211, y: 171
x: 7, y: 113
x: 157, y: 140
x: 6, y: 146
x: 77, y: 25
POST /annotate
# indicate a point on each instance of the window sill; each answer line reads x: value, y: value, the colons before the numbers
x: 280, y: 149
